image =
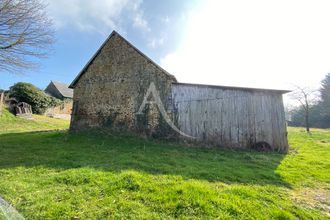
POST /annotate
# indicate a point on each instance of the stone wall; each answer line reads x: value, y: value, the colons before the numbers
x: 112, y: 87
x: 62, y: 111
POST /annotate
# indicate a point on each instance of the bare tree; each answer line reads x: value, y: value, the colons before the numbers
x: 25, y: 34
x: 306, y: 97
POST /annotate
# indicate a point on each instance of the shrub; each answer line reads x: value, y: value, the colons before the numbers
x: 39, y: 101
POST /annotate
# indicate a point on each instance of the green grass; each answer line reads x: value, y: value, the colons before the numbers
x: 9, y: 123
x: 99, y: 175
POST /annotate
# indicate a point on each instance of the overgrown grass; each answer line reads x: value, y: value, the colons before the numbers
x: 99, y: 175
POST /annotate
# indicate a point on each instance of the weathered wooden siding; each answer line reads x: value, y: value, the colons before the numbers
x: 230, y: 117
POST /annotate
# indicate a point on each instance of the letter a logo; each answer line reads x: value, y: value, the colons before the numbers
x: 155, y: 94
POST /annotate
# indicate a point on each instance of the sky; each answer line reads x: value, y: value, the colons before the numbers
x: 255, y: 43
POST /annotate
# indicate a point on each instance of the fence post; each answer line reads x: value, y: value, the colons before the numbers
x: 1, y: 102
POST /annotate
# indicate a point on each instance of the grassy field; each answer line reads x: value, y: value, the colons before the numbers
x: 99, y: 175
x: 11, y: 124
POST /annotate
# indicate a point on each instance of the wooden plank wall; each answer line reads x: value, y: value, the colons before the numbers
x: 230, y: 117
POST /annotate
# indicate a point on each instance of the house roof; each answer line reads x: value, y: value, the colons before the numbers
x: 64, y: 89
x: 72, y: 85
x: 233, y: 88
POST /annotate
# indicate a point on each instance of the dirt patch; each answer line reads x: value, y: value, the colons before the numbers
x: 61, y: 116
x: 313, y: 198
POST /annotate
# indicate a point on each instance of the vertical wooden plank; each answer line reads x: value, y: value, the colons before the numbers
x: 235, y: 118
x: 1, y: 101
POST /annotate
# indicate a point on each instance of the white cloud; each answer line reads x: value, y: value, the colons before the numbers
x: 255, y: 43
x: 98, y: 15
x: 140, y: 22
x: 156, y: 42
x: 166, y: 19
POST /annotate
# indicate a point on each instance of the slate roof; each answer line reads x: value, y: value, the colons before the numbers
x: 63, y: 89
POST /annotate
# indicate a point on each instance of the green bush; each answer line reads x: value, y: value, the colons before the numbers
x: 39, y: 101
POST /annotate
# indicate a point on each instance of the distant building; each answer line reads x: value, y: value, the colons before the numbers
x: 59, y: 90
x: 112, y: 89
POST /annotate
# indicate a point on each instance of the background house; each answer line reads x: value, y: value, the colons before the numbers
x: 63, y: 92
x: 59, y: 90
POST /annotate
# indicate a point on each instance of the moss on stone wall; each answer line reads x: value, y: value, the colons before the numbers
x: 111, y: 90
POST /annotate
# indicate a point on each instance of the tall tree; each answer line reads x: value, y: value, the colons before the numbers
x: 25, y: 34
x: 325, y: 95
x: 26, y: 92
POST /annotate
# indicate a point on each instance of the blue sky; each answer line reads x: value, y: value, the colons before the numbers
x: 256, y: 43
x: 147, y: 24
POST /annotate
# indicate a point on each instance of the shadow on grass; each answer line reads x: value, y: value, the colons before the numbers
x: 115, y: 153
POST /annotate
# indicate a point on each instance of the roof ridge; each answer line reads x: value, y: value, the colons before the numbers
x: 144, y: 55
x: 72, y: 85
x: 59, y: 82
x: 232, y: 87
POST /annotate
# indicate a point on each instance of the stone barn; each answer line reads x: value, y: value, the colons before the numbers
x: 121, y: 88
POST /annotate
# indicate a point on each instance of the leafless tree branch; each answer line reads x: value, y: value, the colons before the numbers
x: 306, y: 97
x: 25, y: 34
